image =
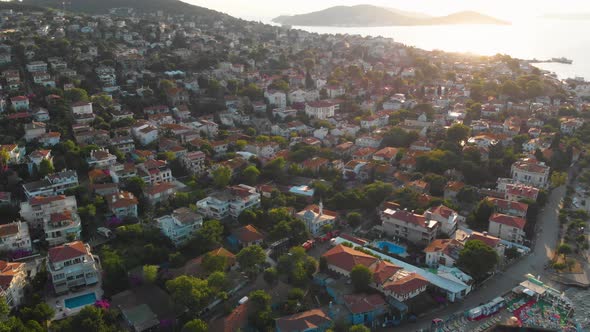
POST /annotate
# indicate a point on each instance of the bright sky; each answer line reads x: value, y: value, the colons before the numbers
x: 507, y: 9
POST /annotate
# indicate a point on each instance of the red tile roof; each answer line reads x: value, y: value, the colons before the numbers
x: 491, y: 241
x: 406, y: 285
x: 361, y: 303
x: 248, y: 234
x: 235, y: 321
x: 347, y: 258
x: 507, y: 220
x: 383, y: 270
x: 67, y: 251
x: 9, y: 229
x: 303, y: 321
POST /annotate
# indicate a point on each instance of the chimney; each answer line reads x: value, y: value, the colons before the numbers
x: 485, y: 233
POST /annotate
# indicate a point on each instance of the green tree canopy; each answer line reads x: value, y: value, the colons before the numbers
x: 195, y: 325
x: 221, y: 177
x: 250, y: 258
x: 477, y: 258
x: 361, y: 278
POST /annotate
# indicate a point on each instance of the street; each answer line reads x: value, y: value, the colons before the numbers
x: 503, y: 282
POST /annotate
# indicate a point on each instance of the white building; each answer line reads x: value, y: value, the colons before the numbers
x: 101, y: 158
x: 409, y: 226
x: 155, y: 171
x: 37, y: 211
x: 72, y: 265
x: 507, y: 227
x: 181, y: 225
x: 321, y: 109
x: 194, y: 162
x: 15, y: 237
x: 230, y: 202
x: 530, y: 171
x: 36, y: 66
x: 63, y: 227
x: 82, y: 108
x: 443, y: 252
x: 13, y: 279
x: 447, y: 217
x: 277, y: 98
x: 145, y: 133
x: 316, y: 218
x: 52, y: 184
x: 122, y: 204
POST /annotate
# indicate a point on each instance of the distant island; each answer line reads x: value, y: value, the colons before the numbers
x: 371, y: 16
x: 568, y: 16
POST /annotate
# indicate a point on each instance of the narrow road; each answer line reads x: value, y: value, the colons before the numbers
x: 546, y: 238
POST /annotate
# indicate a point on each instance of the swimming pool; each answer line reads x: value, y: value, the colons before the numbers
x: 390, y: 247
x: 80, y: 301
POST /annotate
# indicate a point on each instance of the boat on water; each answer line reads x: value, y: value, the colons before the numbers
x: 562, y: 60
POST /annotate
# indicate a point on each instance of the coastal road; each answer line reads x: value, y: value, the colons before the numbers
x: 546, y: 239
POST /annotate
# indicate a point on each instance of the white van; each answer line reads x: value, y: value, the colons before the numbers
x: 104, y: 232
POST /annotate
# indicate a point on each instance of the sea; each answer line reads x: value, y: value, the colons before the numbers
x: 534, y: 38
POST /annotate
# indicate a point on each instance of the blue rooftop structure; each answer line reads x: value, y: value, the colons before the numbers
x: 302, y: 190
x: 455, y: 290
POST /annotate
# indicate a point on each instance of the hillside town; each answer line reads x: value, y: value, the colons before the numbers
x: 196, y: 172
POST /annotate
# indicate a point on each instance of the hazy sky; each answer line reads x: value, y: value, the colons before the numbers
x: 509, y: 9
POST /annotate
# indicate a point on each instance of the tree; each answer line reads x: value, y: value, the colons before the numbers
x: 359, y: 328
x: 150, y: 273
x: 479, y: 218
x: 458, y: 132
x: 214, y: 263
x: 4, y: 158
x: 564, y: 249
x: 270, y: 275
x: 89, y: 319
x: 195, y: 325
x: 250, y: 258
x: 46, y: 167
x: 217, y: 281
x: 361, y: 277
x: 251, y: 174
x: 40, y: 313
x: 135, y: 185
x: 511, y: 89
x: 221, y: 177
x: 76, y: 94
x: 354, y: 219
x: 477, y: 258
x: 191, y: 292
x: 261, y: 316
x: 558, y: 178
x: 211, y: 232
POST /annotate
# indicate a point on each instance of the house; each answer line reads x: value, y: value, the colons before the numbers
x: 160, y: 192
x: 334, y: 91
x: 364, y: 308
x: 230, y: 202
x: 101, y: 159
x: 518, y: 192
x: 124, y: 144
x: 321, y: 109
x: 509, y: 207
x: 530, y: 171
x: 52, y: 184
x: 15, y: 153
x: 452, y: 189
x: 352, y: 169
x: 13, y: 279
x: 245, y: 236
x: 36, y: 66
x: 121, y: 172
x: 15, y: 237
x: 155, y: 171
x: 180, y: 226
x: 443, y: 252
x: 388, y: 278
x: 34, y: 130
x: 315, y: 164
x: 37, y: 211
x: 387, y: 154
x: 71, y: 266
x: 375, y: 120
x: 447, y: 217
x: 145, y: 133
x: 491, y: 241
x: 177, y: 96
x: 408, y: 225
x: 316, y: 218
x: 315, y: 320
x: 82, y: 108
x: 41, y: 115
x: 122, y: 204
x: 63, y: 227
x: 194, y: 162
x: 569, y: 125
x: 51, y: 138
x: 507, y: 227
x: 237, y: 320
x: 276, y: 98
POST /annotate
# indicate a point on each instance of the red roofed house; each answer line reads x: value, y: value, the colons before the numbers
x: 518, y: 192
x: 20, y: 103
x: 507, y: 227
x: 365, y: 308
x: 246, y: 236
x: 12, y: 282
x: 15, y: 236
x: 321, y: 110
x: 443, y: 252
x: 513, y: 208
x: 311, y: 320
x: 72, y: 265
x: 491, y: 241
x: 388, y: 278
x: 160, y: 192
x: 122, y: 204
x: 386, y: 154
x: 531, y: 172
x: 447, y: 217
x: 237, y: 320
x: 413, y: 227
